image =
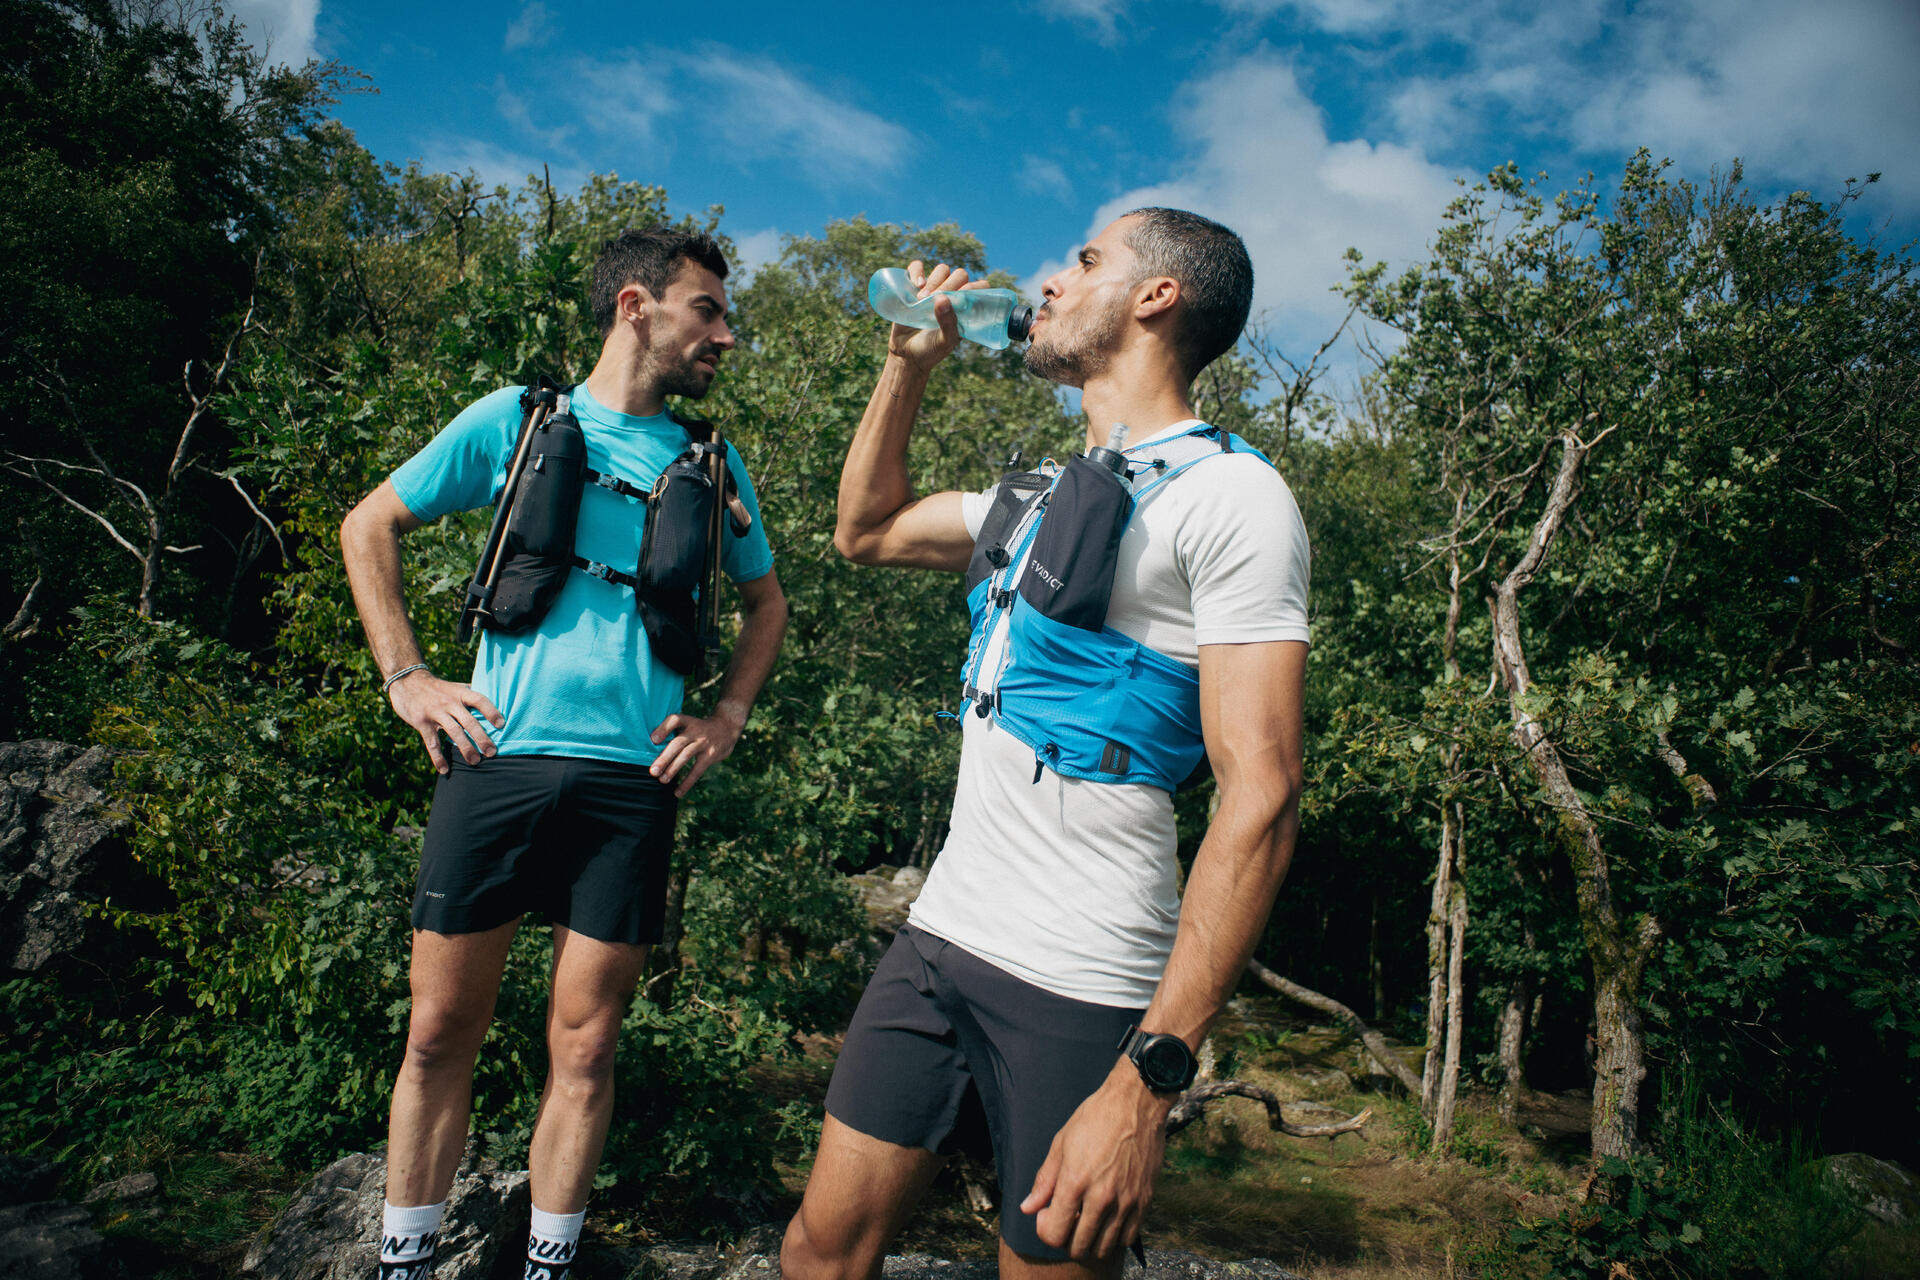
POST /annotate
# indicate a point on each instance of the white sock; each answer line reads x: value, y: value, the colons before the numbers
x: 551, y: 1242
x: 407, y: 1238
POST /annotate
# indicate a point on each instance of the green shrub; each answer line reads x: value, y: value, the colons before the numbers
x: 1712, y: 1201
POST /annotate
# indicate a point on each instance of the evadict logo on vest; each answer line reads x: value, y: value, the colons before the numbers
x: 1040, y: 571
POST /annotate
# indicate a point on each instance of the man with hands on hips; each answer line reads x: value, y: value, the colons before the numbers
x: 561, y: 765
x: 1051, y: 974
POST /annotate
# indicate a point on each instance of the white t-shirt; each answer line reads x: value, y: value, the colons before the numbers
x: 1070, y: 884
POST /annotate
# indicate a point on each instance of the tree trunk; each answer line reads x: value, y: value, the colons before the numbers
x: 1376, y: 968
x: 1513, y: 1035
x: 1618, y: 949
x: 1456, y: 1005
x: 1437, y: 963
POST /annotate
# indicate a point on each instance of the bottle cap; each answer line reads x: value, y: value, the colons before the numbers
x: 1020, y: 323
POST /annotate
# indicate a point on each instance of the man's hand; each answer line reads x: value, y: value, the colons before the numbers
x: 697, y: 745
x: 1095, y: 1187
x: 925, y: 348
x: 434, y: 706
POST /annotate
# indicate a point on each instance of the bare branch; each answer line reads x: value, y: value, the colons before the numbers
x: 253, y: 507
x: 33, y: 473
x: 199, y: 402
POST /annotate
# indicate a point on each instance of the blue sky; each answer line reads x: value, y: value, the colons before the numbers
x: 1307, y: 125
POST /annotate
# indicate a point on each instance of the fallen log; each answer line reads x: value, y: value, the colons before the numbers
x: 1193, y: 1105
x: 1374, y: 1043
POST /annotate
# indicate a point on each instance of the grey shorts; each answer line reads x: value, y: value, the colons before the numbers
x: 937, y: 1024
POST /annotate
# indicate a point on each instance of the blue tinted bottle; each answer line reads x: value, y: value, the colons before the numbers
x: 991, y: 317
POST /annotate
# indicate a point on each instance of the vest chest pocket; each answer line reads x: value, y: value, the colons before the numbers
x: 1068, y: 576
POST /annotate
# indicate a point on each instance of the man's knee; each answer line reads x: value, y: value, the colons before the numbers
x: 823, y: 1250
x: 583, y: 1054
x: 443, y: 1035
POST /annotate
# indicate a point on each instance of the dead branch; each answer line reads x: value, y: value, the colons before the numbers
x: 26, y: 619
x: 254, y: 507
x: 1193, y: 1105
x: 1704, y: 796
x: 32, y: 472
x: 1374, y: 1043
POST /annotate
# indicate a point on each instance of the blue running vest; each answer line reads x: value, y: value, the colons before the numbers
x: 1090, y: 702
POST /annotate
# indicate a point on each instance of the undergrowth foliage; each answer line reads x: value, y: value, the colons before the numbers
x: 1712, y: 1200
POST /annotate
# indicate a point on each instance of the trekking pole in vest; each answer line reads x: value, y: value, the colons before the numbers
x: 539, y: 403
x: 707, y: 621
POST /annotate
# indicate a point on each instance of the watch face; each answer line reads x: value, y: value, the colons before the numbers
x: 1164, y: 1063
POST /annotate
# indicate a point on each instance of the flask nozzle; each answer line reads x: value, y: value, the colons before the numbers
x: 1109, y: 455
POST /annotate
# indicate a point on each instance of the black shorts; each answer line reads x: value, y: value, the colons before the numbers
x: 585, y: 843
x: 937, y: 1022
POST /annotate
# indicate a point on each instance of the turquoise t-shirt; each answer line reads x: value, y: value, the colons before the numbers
x: 584, y: 682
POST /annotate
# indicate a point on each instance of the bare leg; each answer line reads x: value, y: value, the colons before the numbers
x: 455, y: 978
x: 593, y: 984
x: 1014, y: 1266
x: 858, y: 1198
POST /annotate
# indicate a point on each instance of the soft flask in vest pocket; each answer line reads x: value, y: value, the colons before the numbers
x: 538, y: 548
x: 673, y: 555
x: 1069, y: 571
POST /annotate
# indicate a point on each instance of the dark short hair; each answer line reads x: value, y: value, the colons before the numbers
x: 1215, y: 275
x: 649, y: 257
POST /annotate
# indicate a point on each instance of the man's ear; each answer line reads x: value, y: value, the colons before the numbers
x: 633, y: 304
x: 1154, y: 296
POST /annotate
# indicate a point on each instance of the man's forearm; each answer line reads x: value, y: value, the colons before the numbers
x: 1230, y: 892
x: 874, y: 482
x: 372, y: 556
x: 763, y: 625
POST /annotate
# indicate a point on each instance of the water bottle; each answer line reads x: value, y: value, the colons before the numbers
x: 1112, y: 455
x: 991, y: 317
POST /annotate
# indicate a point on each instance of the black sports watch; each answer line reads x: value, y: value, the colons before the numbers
x: 1164, y: 1062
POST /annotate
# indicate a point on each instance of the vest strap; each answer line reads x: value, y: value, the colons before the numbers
x: 604, y: 572
x: 625, y: 488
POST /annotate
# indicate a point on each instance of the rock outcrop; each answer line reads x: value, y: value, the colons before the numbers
x: 40, y: 1236
x: 1882, y: 1188
x: 59, y: 848
x: 888, y: 893
x: 329, y: 1230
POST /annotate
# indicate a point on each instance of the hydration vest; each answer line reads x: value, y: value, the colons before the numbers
x: 529, y: 548
x: 1090, y: 702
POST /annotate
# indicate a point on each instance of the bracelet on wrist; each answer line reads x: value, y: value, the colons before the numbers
x: 402, y: 672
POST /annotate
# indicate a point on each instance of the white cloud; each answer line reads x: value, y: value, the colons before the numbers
x: 1100, y: 15
x: 282, y: 29
x: 1263, y: 164
x: 513, y: 109
x: 1042, y: 177
x: 1328, y: 15
x: 1806, y: 95
x: 494, y: 164
x: 752, y: 108
x: 532, y: 29
x: 1812, y: 95
x: 753, y: 251
x: 619, y: 96
x: 766, y: 110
